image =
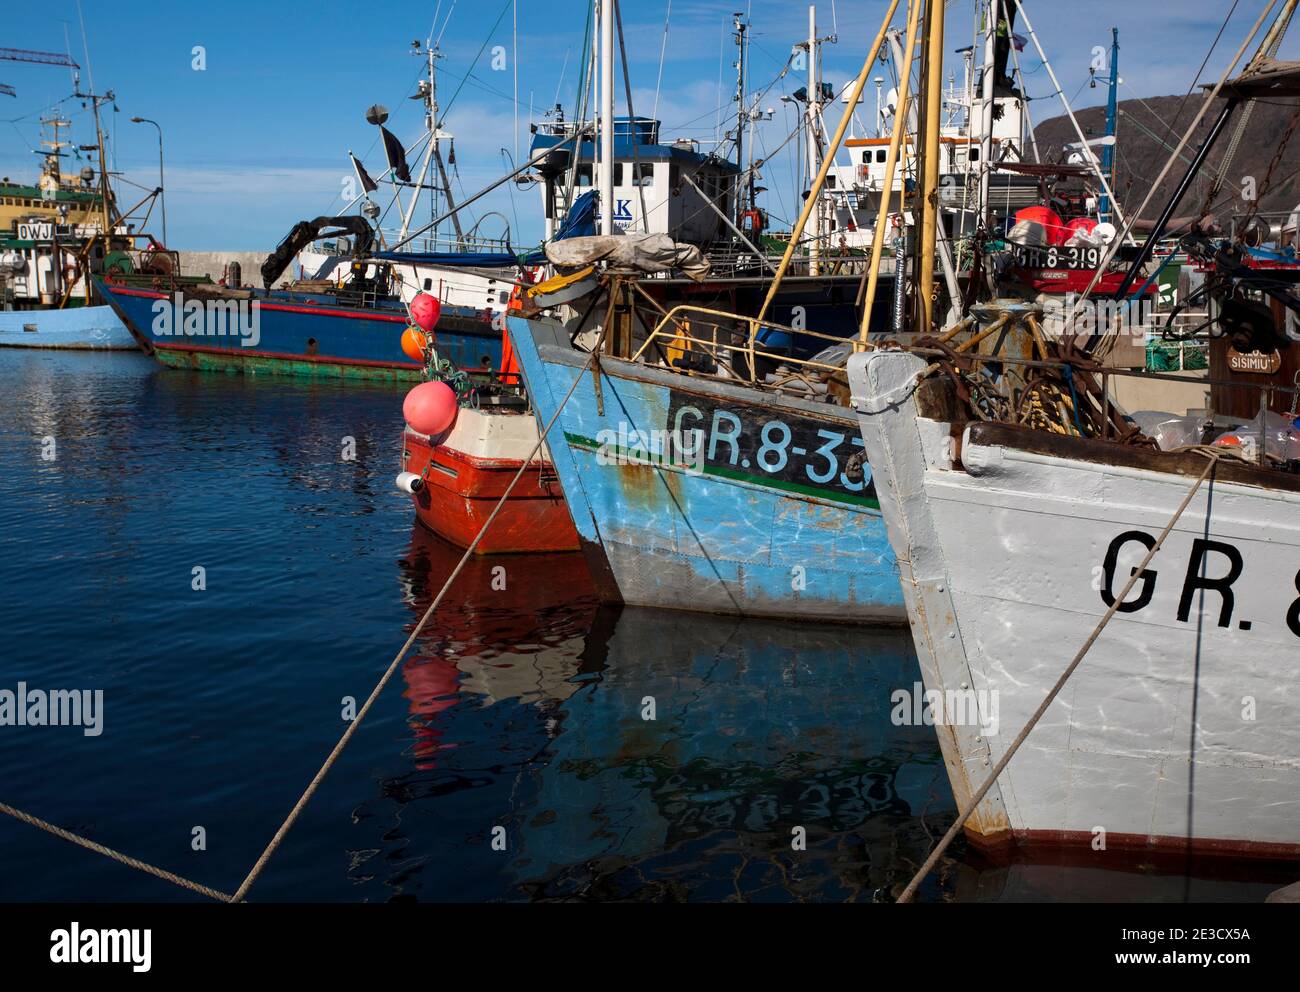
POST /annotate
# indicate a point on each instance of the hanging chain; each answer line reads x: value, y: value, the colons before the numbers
x: 1268, y: 176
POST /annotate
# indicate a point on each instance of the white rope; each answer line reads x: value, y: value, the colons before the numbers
x: 419, y: 627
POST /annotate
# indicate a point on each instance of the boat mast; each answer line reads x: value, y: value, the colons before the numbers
x: 931, y: 103
x: 994, y: 11
x: 55, y: 146
x: 1112, y: 107
x: 744, y: 191
x: 606, y: 164
x: 814, y: 219
x: 437, y: 133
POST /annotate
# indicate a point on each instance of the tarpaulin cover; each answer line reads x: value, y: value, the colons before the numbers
x: 649, y: 253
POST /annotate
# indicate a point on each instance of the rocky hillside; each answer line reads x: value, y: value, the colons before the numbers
x: 1146, y: 127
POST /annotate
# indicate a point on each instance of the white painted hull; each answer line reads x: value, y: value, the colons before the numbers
x: 478, y: 289
x: 1178, y: 734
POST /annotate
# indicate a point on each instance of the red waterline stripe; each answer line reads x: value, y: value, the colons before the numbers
x: 1081, y: 841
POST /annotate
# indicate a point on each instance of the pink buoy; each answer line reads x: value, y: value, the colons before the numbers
x: 425, y: 311
x: 430, y: 408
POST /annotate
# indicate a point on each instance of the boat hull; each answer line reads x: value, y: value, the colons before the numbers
x: 81, y: 328
x: 763, y: 520
x: 297, y: 334
x: 1180, y: 730
x: 466, y: 474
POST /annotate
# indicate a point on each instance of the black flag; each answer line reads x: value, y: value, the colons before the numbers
x: 396, y: 155
x: 363, y: 177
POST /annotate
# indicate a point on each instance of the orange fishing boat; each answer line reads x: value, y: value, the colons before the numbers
x: 464, y: 473
x: 461, y: 450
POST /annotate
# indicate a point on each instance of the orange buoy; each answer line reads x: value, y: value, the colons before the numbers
x: 413, y: 344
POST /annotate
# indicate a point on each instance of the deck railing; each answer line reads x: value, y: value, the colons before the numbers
x: 676, y: 332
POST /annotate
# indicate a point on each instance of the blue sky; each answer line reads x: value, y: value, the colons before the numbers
x: 259, y: 138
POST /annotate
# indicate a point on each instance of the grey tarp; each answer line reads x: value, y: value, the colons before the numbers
x: 649, y: 253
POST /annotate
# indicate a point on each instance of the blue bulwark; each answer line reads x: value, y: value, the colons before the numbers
x: 581, y: 222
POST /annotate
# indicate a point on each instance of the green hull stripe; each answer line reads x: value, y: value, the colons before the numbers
x: 254, y: 364
x: 765, y: 482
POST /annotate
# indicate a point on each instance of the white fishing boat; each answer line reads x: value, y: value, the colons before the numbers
x: 60, y: 233
x: 1181, y: 728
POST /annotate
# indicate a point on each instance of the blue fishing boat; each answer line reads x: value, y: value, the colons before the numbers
x: 287, y: 332
x: 71, y: 327
x: 698, y: 494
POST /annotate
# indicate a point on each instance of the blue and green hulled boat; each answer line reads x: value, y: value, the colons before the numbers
x: 695, y: 494
x: 287, y: 332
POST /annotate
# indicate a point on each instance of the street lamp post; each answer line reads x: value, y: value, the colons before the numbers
x: 161, y: 183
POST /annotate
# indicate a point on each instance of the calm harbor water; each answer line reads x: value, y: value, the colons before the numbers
x: 521, y: 708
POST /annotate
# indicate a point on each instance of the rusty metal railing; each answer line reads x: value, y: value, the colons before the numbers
x: 675, y: 332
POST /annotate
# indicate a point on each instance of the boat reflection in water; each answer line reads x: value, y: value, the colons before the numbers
x: 528, y: 705
x: 508, y: 630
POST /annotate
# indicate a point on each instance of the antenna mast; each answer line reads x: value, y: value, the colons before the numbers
x: 744, y: 193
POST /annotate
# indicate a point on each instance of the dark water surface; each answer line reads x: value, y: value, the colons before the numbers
x: 518, y: 715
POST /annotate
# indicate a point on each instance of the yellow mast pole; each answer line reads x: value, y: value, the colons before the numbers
x: 856, y: 94
x: 930, y: 183
x: 891, y: 162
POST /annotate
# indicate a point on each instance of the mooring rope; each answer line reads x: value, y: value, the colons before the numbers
x: 392, y: 668
x: 301, y: 804
x: 1213, y: 456
x: 108, y: 852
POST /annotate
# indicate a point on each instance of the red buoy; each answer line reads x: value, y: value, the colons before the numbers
x: 425, y: 311
x: 430, y: 408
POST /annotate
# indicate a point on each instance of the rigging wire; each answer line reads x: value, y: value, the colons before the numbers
x: 663, y: 50
x: 500, y: 17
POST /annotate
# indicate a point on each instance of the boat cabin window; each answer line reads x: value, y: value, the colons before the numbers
x: 643, y: 174
x: 882, y: 154
x: 974, y: 155
x: 584, y: 175
x: 428, y: 283
x: 618, y: 173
